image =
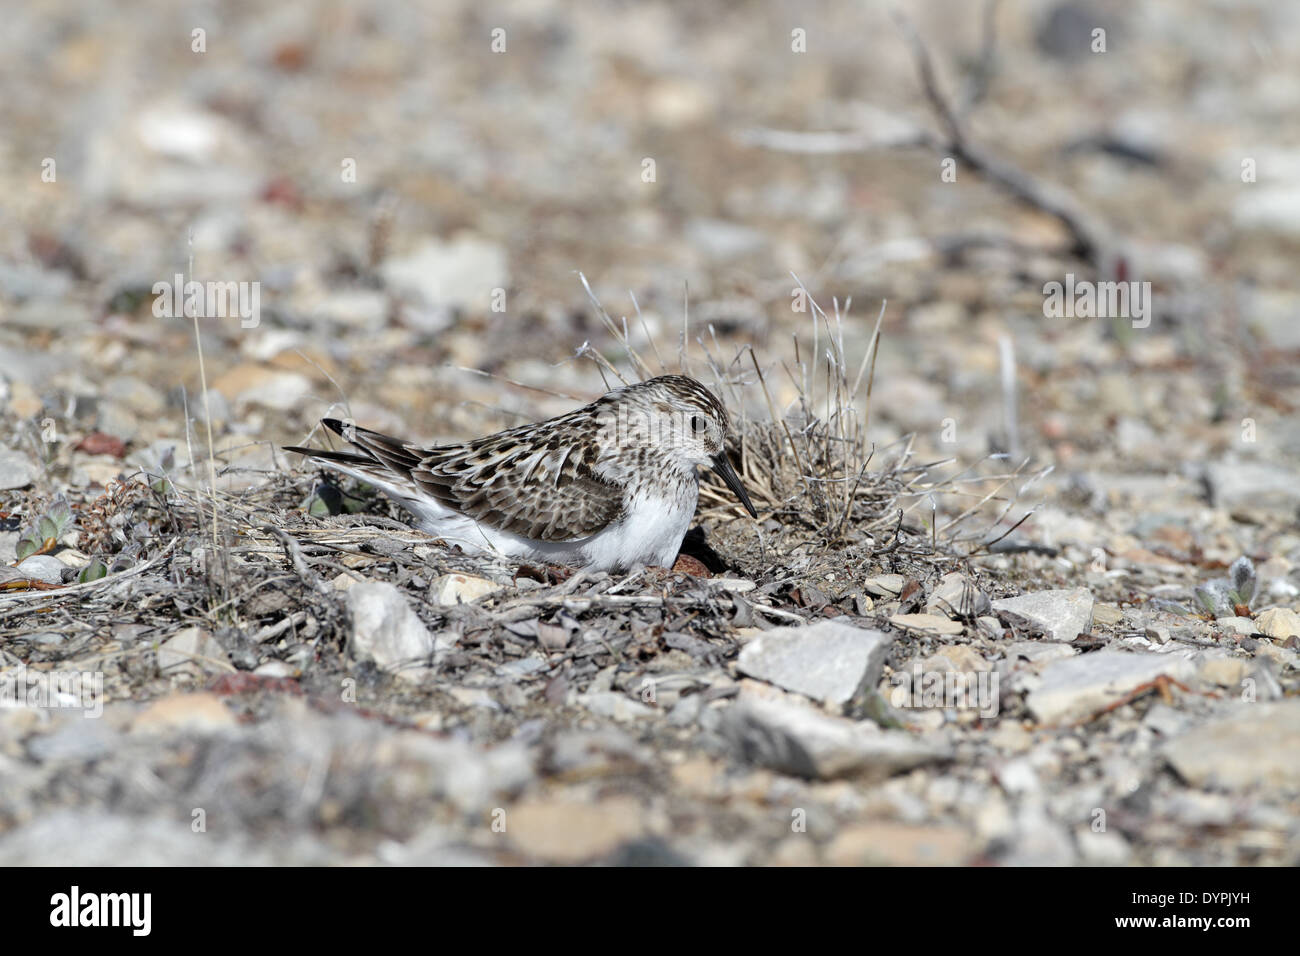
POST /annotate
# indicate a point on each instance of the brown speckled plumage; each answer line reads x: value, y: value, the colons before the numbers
x: 565, y: 479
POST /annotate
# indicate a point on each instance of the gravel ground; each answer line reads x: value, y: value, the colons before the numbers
x: 1054, y: 622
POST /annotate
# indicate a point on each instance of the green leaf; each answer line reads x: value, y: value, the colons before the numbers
x: 47, y: 528
x: 1242, y: 575
x: 25, y: 547
x: 93, y: 571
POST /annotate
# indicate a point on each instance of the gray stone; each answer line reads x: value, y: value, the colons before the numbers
x: 827, y: 661
x: 385, y: 629
x: 457, y: 274
x: 521, y: 668
x: 1061, y: 615
x: 1254, y: 484
x: 1252, y: 745
x: 722, y: 240
x: 616, y: 706
x: 798, y: 740
x: 1081, y: 686
x: 77, y: 741
x: 192, y: 651
x: 1157, y: 634
x: 98, y: 838
x: 884, y: 585
x: 1038, y: 652
x: 41, y: 567
x: 16, y: 470
x: 1237, y: 625
x: 957, y: 596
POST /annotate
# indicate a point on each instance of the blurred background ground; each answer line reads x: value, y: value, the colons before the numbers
x: 413, y: 202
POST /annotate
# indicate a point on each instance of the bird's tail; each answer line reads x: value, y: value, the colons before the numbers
x: 379, y: 460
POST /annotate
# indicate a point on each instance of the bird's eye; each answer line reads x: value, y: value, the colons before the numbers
x: 698, y: 424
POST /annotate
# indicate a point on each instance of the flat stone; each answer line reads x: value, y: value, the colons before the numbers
x: 461, y: 589
x: 458, y: 274
x: 385, y: 629
x: 521, y: 668
x: 1237, y: 625
x: 1061, y: 615
x: 192, y: 651
x: 1224, y: 671
x: 932, y: 623
x: 616, y: 706
x: 1106, y: 614
x: 1081, y: 686
x: 884, y: 585
x: 963, y: 658
x: 76, y: 741
x: 1038, y: 652
x: 1157, y: 634
x: 571, y: 831
x: 251, y: 384
x: 1253, y: 484
x: 956, y: 596
x: 16, y: 470
x: 1253, y: 745
x: 827, y: 661
x: 203, y: 712
x: 1279, y: 623
x: 798, y: 740
x: 899, y: 844
x: 41, y: 567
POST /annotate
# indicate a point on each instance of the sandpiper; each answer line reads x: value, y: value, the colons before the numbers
x: 611, y: 486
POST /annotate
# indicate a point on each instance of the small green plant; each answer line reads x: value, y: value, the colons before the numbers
x: 329, y: 499
x: 47, y: 529
x: 1230, y: 596
x: 95, y: 570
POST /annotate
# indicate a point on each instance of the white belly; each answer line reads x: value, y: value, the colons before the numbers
x: 649, y: 534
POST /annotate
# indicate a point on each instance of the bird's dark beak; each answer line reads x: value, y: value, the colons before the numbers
x: 723, y: 467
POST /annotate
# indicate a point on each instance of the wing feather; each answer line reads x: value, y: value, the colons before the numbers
x: 530, y: 481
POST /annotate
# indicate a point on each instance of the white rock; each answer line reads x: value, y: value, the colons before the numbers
x: 884, y: 585
x: 192, y: 651
x: 1061, y: 615
x: 461, y: 588
x: 1222, y: 670
x: 1081, y: 686
x: 827, y: 661
x: 933, y: 623
x: 281, y: 392
x: 1279, y: 623
x: 720, y: 239
x: 385, y: 629
x: 16, y: 470
x: 616, y: 706
x: 1103, y: 848
x: 1250, y: 483
x: 460, y: 274
x: 798, y: 740
x: 41, y: 567
x: 1253, y: 745
x: 1236, y: 625
x: 952, y: 597
x: 1274, y: 210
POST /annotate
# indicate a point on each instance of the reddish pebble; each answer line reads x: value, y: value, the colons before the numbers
x: 97, y: 443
